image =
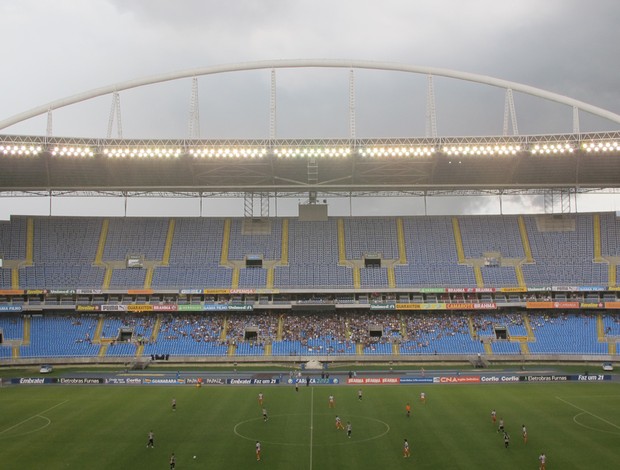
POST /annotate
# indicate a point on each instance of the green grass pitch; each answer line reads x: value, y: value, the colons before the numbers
x: 577, y: 425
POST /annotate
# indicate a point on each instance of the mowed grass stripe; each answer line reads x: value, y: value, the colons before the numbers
x: 106, y: 427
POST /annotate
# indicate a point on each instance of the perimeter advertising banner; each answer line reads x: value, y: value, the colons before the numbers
x: 252, y: 381
x: 190, y: 308
x: 541, y: 305
x: 472, y: 306
x: 373, y: 380
x: 87, y: 308
x: 382, y: 306
x: 411, y: 306
x: 10, y: 308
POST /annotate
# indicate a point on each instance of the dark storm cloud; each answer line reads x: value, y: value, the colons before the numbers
x: 566, y: 46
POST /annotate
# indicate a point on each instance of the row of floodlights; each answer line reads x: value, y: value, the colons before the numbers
x: 601, y: 146
x: 136, y: 152
x: 482, y: 150
x: 317, y: 152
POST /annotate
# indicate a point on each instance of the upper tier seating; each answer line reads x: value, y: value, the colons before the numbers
x: 64, y: 250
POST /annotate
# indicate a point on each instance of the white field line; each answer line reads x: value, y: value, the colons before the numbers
x: 587, y: 412
x: 311, y: 424
x: 38, y: 415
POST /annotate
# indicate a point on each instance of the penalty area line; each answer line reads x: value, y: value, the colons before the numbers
x: 587, y: 412
x: 38, y: 415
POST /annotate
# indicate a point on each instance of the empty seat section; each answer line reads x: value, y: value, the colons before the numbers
x: 61, y: 336
x: 431, y: 255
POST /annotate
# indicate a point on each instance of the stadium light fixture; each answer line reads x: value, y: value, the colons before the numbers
x: 20, y: 150
x: 601, y: 146
x: 481, y: 150
x: 71, y: 151
x: 551, y: 149
x: 228, y: 152
x: 396, y: 152
x: 143, y: 153
x: 312, y: 152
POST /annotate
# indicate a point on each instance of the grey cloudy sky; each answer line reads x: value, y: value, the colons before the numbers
x: 54, y: 49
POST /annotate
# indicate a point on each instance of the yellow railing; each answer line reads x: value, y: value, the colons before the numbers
x: 528, y: 328
x: 402, y: 248
x: 148, y: 277
x: 458, y: 240
x: 235, y: 278
x: 520, y: 276
x: 270, y: 278
x: 169, y: 239
x: 15, y: 278
x: 29, y: 241
x: 525, y: 241
x: 596, y: 228
x: 391, y: 277
x: 357, y: 278
x: 600, y: 328
x: 478, y: 276
x: 280, y: 333
x: 102, y: 239
x: 225, y: 242
x: 611, y: 274
x: 284, y: 247
x: 27, y: 329
x: 98, y: 330
x: 342, y: 249
x: 107, y: 277
x: 525, y: 349
x: 156, y: 328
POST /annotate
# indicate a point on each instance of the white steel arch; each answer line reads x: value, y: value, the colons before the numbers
x: 310, y: 63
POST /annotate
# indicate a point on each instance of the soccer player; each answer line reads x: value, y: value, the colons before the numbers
x: 408, y: 410
x: 422, y: 397
x: 349, y: 429
x: 173, y: 461
x: 151, y: 441
x: 339, y: 423
x: 524, y: 433
x: 493, y: 416
x: 265, y: 417
x: 257, y: 450
x: 332, y: 402
x: 501, y: 425
x: 296, y: 385
x: 542, y: 459
x: 260, y: 398
x: 359, y: 394
x: 174, y: 404
x: 506, y: 439
x: 406, y: 453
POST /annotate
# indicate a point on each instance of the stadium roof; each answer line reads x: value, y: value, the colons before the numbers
x: 506, y: 164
